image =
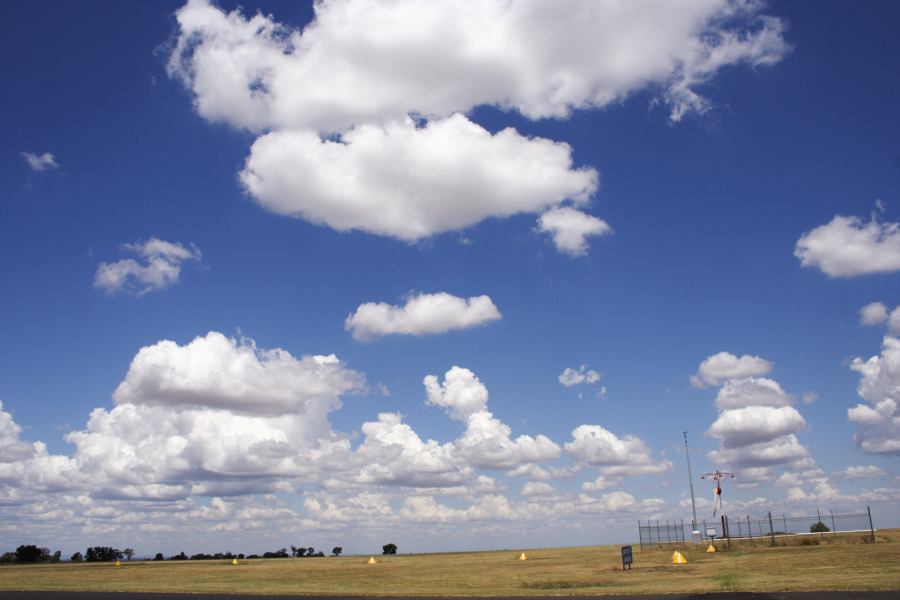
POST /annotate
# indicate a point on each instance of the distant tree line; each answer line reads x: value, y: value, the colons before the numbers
x: 34, y: 554
x: 30, y: 554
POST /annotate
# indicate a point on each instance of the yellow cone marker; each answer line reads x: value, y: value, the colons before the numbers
x: 118, y: 563
x: 371, y: 560
x: 523, y: 557
x: 234, y: 561
x: 711, y: 548
x: 678, y: 558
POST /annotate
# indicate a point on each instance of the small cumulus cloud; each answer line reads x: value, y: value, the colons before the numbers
x: 720, y: 367
x: 160, y: 269
x: 423, y: 314
x: 874, y: 313
x: 582, y: 375
x: 849, y: 247
x: 570, y: 229
x: 861, y: 472
x: 40, y: 162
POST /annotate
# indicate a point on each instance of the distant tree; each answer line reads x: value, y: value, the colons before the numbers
x: 298, y: 551
x: 336, y: 551
x: 77, y: 557
x: 320, y: 554
x: 179, y: 556
x: 819, y: 527
x: 7, y: 557
x: 241, y: 555
x: 389, y: 549
x: 56, y: 556
x: 159, y: 556
x: 310, y: 551
x: 102, y: 554
x: 32, y: 554
x: 128, y: 552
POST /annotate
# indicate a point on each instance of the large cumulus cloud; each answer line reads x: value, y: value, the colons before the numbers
x: 362, y: 117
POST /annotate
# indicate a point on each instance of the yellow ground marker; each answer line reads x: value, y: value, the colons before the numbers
x: 371, y: 560
x: 234, y: 561
x: 711, y: 548
x: 678, y: 558
x: 118, y: 563
x: 523, y: 557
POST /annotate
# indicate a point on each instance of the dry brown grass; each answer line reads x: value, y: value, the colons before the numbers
x: 557, y: 571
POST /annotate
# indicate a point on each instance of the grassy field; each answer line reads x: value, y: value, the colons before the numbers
x: 559, y: 571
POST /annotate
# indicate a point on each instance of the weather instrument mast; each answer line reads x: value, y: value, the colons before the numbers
x: 690, y: 481
x: 718, y: 476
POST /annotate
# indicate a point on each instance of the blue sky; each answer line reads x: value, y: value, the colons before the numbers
x: 695, y: 193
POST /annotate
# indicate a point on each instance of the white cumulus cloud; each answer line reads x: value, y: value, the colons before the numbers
x: 776, y: 452
x: 718, y: 368
x: 738, y: 427
x: 582, y: 374
x: 848, y: 247
x: 570, y: 229
x: 335, y: 99
x: 461, y: 394
x: 364, y: 62
x: 410, y: 182
x: 160, y: 270
x: 752, y: 391
x: 422, y: 314
x: 756, y: 423
x: 393, y: 453
x: 537, y: 488
x: 862, y: 472
x: 487, y: 442
x: 595, y: 446
x: 874, y: 313
x: 40, y: 162
x: 219, y: 372
x: 878, y: 421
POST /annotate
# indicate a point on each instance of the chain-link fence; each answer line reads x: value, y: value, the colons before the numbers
x: 772, y: 527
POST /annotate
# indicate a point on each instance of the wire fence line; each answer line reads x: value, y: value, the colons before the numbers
x: 772, y: 527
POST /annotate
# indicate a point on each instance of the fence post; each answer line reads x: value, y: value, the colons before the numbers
x: 726, y: 530
x: 871, y: 526
x: 658, y: 539
x: 749, y: 529
x: 821, y: 533
x: 771, y: 528
x: 640, y: 536
x: 833, y: 526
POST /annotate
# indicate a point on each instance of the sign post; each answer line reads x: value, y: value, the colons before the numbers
x: 626, y: 558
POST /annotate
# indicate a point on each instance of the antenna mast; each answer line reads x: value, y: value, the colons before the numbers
x: 718, y: 476
x: 690, y: 481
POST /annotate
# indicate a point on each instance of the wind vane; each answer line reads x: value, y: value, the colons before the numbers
x: 718, y: 476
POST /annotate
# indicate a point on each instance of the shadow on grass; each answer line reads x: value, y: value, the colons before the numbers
x: 563, y: 585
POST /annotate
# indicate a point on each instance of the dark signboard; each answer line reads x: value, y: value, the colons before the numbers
x: 626, y: 557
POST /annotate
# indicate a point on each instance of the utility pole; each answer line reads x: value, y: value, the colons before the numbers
x: 690, y: 481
